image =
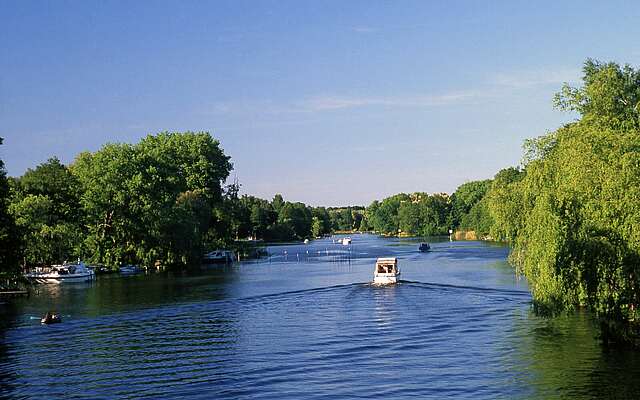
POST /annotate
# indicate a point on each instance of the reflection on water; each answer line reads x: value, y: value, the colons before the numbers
x: 308, y: 323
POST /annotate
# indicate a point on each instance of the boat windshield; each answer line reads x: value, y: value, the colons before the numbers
x: 385, y: 268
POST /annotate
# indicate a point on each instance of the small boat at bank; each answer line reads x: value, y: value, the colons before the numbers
x: 386, y: 271
x: 129, y: 269
x: 66, y: 273
x: 51, y: 318
x: 346, y: 241
x: 219, y: 257
x: 424, y: 247
x: 101, y: 269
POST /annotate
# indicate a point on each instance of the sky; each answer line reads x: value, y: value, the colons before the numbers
x: 327, y: 102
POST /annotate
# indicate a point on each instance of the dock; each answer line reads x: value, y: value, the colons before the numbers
x: 13, y: 293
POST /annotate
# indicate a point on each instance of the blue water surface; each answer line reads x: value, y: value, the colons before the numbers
x: 306, y: 323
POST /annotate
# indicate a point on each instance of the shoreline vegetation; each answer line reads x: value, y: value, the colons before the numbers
x: 569, y: 211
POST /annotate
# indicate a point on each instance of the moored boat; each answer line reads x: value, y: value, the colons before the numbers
x: 68, y: 272
x: 129, y: 269
x: 219, y: 257
x: 386, y: 271
x: 346, y: 241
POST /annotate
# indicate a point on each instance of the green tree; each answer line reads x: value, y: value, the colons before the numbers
x: 574, y: 213
x: 609, y: 95
x: 134, y: 197
x: 465, y: 197
x: 277, y: 202
x: 9, y: 237
x: 316, y: 227
x: 46, y: 207
x: 505, y: 205
x: 384, y: 214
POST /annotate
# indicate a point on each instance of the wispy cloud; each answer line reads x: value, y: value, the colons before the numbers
x: 363, y: 29
x: 537, y: 77
x: 496, y: 86
x: 328, y: 103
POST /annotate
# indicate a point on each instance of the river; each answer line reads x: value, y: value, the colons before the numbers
x: 306, y: 323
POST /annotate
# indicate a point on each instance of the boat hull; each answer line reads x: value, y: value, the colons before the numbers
x: 385, y: 279
x: 60, y: 279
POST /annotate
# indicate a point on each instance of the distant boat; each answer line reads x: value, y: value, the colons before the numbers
x: 386, y: 271
x: 219, y: 257
x: 424, y: 247
x: 306, y: 241
x: 68, y: 272
x: 129, y: 269
x: 346, y: 241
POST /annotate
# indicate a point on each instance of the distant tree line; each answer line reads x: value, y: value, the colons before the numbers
x: 280, y: 220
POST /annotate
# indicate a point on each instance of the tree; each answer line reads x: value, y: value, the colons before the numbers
x: 9, y: 239
x: 277, y: 202
x: 316, y: 227
x: 297, y: 217
x: 46, y: 207
x: 384, y: 214
x: 134, y: 197
x: 572, y: 216
x: 465, y: 197
x: 504, y: 204
x: 610, y: 95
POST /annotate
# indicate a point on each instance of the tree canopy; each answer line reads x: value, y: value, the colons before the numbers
x: 9, y: 237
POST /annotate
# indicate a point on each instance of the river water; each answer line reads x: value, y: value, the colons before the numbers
x: 306, y: 323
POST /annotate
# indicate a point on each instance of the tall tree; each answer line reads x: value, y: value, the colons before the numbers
x: 9, y: 239
x: 134, y: 196
x: 47, y: 211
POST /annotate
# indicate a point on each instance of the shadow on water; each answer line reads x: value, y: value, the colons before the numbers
x: 561, y: 358
x: 8, y: 316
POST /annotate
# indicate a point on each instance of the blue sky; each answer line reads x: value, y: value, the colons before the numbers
x: 329, y: 103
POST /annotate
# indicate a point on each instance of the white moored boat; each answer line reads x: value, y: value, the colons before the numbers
x: 386, y: 271
x: 346, y: 241
x: 76, y: 272
x: 219, y: 257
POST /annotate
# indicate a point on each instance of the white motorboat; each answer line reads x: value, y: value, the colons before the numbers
x: 219, y: 257
x: 128, y: 269
x: 386, y: 271
x: 346, y: 241
x: 68, y: 272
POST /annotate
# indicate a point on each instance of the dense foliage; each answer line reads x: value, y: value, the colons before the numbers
x: 416, y: 214
x: 575, y: 236
x: 571, y: 212
x: 149, y: 203
x: 152, y: 202
x: 9, y: 239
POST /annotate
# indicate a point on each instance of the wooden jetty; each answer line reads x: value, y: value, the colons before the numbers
x: 13, y: 293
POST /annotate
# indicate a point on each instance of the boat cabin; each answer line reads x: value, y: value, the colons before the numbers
x: 386, y: 270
